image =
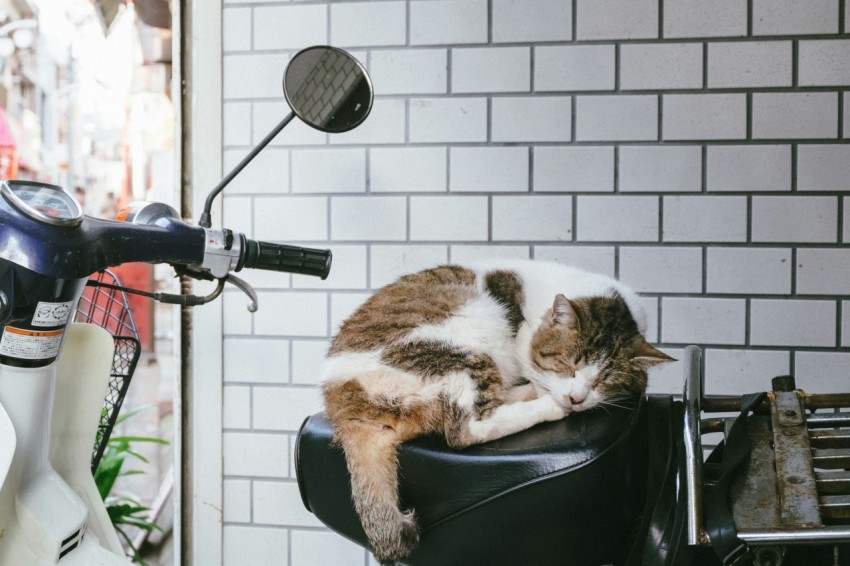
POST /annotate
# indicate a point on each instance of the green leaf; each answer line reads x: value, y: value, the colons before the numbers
x: 124, y: 510
x: 133, y: 412
x: 140, y: 439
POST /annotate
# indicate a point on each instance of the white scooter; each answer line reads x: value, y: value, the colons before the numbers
x: 53, y: 373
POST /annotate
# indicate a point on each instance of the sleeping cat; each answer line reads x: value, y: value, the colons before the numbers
x: 473, y: 354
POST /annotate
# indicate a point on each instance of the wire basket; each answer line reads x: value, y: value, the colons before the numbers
x: 109, y: 309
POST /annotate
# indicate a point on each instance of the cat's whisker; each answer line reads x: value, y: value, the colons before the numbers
x: 620, y: 403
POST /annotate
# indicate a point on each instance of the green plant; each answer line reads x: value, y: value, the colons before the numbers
x: 124, y: 510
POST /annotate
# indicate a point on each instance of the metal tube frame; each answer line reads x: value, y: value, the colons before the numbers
x: 692, y: 394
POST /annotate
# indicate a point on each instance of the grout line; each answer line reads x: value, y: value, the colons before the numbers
x: 660, y: 220
x: 658, y: 321
x: 794, y: 271
x: 368, y: 267
x: 328, y: 23
x: 750, y: 18
x: 659, y: 125
x: 617, y: 67
x: 616, y: 169
x: 575, y: 20
x: 795, y: 63
x: 368, y: 172
x: 407, y: 23
x: 617, y: 267
x: 794, y: 167
x: 449, y: 59
x: 489, y: 22
x: 574, y: 219
x: 489, y: 218
x: 573, y: 115
x: 661, y: 20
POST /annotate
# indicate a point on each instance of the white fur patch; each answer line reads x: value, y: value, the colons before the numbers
x: 479, y: 326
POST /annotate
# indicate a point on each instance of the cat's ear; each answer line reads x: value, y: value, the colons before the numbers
x: 649, y: 355
x: 563, y: 311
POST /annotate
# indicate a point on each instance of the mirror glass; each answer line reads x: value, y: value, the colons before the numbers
x: 328, y: 89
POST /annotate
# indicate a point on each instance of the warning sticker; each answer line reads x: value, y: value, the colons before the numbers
x: 30, y: 344
x: 51, y: 314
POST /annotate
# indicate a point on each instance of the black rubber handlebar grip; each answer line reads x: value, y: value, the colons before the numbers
x: 291, y: 259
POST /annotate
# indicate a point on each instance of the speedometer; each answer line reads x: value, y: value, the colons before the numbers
x: 42, y: 202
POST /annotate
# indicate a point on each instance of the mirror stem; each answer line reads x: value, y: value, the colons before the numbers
x: 206, y: 216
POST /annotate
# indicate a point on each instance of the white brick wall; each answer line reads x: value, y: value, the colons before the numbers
x: 661, y: 65
x: 749, y: 168
x: 696, y: 149
x: 661, y: 168
x: 615, y: 118
x: 704, y: 116
x: 574, y: 67
x: 705, y: 18
x: 749, y: 64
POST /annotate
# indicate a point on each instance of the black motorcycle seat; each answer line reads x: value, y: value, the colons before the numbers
x: 569, y: 484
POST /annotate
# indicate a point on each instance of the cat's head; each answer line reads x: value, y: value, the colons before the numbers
x: 588, y: 351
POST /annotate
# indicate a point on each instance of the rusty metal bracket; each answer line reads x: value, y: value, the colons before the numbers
x: 795, y: 474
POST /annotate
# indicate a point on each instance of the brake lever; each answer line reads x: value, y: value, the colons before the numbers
x: 253, y: 304
x: 237, y: 282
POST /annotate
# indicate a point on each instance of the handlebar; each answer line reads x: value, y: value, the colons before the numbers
x: 146, y: 232
x: 291, y: 259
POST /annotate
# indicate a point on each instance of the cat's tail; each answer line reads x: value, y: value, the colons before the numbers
x: 370, y: 454
x: 368, y: 437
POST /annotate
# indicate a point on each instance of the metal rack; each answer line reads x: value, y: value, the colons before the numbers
x: 109, y: 309
x: 795, y: 488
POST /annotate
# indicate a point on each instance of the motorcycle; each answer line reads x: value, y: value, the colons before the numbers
x: 623, y: 485
x: 53, y: 372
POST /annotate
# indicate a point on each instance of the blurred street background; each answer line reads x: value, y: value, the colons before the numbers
x: 85, y: 103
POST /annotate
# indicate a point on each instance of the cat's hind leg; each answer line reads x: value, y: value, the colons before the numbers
x: 369, y: 434
x: 370, y: 455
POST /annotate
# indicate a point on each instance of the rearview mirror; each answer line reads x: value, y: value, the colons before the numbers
x: 328, y: 89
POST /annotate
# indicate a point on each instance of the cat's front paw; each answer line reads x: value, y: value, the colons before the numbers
x: 553, y: 410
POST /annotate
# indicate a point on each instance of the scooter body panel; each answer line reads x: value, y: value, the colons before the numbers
x: 8, y: 442
x: 82, y: 379
x: 45, y: 512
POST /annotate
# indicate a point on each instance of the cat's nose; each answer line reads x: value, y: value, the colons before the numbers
x: 577, y: 397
